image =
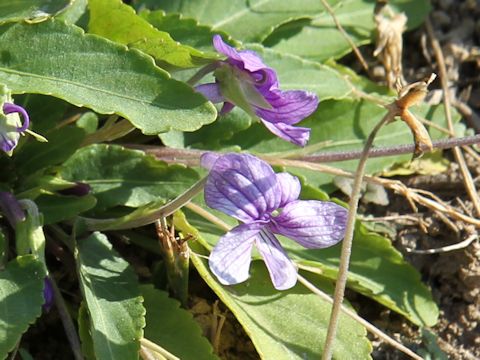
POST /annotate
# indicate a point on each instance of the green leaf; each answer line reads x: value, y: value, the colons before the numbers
x: 125, y: 82
x: 21, y: 299
x: 184, y: 30
x: 83, y: 321
x: 295, y: 73
x: 120, y: 176
x: 318, y: 39
x: 74, y: 12
x: 32, y: 10
x: 166, y: 320
x: 56, y: 208
x: 246, y: 21
x: 111, y: 291
x: 118, y: 22
x: 35, y: 155
x: 377, y: 270
x: 289, y: 324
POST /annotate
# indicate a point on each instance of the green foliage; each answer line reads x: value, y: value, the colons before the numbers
x: 124, y: 82
x: 120, y: 176
x: 21, y: 299
x: 56, y: 208
x: 31, y: 10
x: 245, y: 21
x: 165, y: 320
x: 118, y: 22
x: 113, y: 299
x: 291, y: 324
x: 120, y: 66
x: 356, y: 16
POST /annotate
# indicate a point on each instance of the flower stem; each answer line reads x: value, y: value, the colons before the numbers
x: 148, y: 214
x: 67, y: 322
x: 374, y: 330
x: 350, y: 228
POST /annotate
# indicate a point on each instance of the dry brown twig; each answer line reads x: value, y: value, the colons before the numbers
x: 340, y: 28
x: 459, y: 158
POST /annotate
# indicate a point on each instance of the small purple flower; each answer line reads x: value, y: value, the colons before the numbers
x: 10, y: 126
x: 248, y: 189
x: 244, y: 80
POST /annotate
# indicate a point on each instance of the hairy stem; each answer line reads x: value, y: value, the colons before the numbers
x: 347, y: 241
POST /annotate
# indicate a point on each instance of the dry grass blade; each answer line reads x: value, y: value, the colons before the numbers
x: 459, y: 158
x: 340, y: 28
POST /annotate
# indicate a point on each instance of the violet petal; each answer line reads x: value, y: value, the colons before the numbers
x: 282, y: 271
x: 290, y: 188
x: 294, y: 134
x: 211, y: 91
x: 207, y: 160
x: 313, y: 224
x: 7, y: 144
x: 242, y: 186
x: 9, y: 108
x: 289, y: 107
x: 230, y: 258
x: 247, y: 60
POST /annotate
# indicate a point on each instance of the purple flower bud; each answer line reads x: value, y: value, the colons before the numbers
x: 11, y: 208
x: 48, y: 295
x: 79, y: 189
x: 10, y: 126
x: 248, y: 189
x: 256, y: 91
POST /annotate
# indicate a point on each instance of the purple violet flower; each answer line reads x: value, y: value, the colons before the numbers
x: 248, y: 189
x: 10, y: 126
x: 244, y: 80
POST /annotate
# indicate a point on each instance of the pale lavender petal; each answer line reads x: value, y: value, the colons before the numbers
x: 242, y: 186
x: 8, y: 143
x: 289, y: 107
x: 9, y: 108
x: 289, y: 187
x: 207, y: 160
x: 313, y: 224
x: 211, y: 92
x: 294, y: 134
x: 230, y: 258
x: 282, y: 271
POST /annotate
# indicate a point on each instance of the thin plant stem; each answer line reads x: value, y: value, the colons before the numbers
x: 129, y: 222
x: 370, y: 327
x: 340, y: 28
x: 192, y: 156
x: 67, y: 322
x: 201, y: 73
x: 459, y: 158
x: 158, y: 349
x: 347, y: 241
